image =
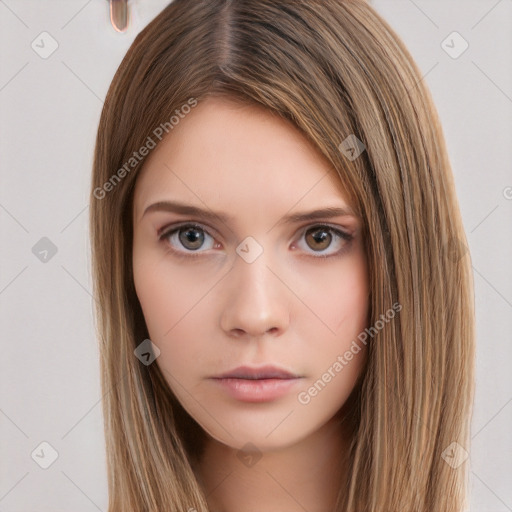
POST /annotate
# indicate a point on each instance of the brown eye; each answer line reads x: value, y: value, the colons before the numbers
x: 191, y: 238
x: 318, y: 238
x: 323, y: 241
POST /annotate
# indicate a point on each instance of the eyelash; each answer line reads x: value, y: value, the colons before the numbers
x: 170, y: 230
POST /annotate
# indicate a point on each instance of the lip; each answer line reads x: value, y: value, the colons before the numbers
x: 257, y: 384
x: 257, y: 372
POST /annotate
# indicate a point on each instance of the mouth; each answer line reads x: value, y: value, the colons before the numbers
x: 257, y: 384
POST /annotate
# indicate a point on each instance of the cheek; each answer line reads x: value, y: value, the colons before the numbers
x: 157, y: 298
x: 349, y: 303
x: 339, y: 296
x: 165, y: 293
x: 175, y: 310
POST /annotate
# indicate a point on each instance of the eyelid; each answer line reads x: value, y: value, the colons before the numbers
x: 210, y: 230
x: 169, y: 228
x: 345, y: 232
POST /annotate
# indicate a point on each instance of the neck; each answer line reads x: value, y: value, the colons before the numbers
x: 307, y: 475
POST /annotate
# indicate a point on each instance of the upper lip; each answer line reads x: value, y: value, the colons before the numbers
x: 259, y: 372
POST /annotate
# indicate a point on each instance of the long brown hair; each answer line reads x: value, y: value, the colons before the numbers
x: 335, y: 69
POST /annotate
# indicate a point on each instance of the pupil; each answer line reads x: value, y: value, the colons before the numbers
x: 192, y: 238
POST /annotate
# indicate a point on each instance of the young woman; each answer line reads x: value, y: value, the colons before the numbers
x: 284, y: 294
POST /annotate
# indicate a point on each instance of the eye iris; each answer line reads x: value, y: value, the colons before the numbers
x: 191, y: 238
x: 319, y: 236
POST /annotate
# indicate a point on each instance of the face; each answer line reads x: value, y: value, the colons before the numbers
x: 250, y: 269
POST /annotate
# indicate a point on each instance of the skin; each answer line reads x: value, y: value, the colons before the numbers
x: 289, y: 307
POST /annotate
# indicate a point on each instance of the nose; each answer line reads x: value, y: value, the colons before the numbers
x: 255, y: 301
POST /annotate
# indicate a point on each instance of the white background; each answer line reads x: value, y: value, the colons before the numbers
x: 48, y: 119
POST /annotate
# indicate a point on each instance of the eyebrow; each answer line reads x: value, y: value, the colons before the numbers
x: 186, y: 209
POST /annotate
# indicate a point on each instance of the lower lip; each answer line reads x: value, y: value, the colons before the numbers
x: 261, y: 390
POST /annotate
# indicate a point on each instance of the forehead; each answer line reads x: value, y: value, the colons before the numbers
x: 225, y: 154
